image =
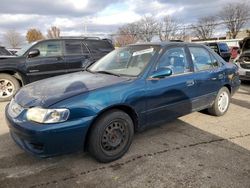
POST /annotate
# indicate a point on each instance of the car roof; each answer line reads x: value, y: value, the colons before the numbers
x: 75, y: 38
x: 164, y: 44
x: 216, y: 43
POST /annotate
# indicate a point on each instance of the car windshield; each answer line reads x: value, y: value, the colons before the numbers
x: 24, y: 48
x: 126, y: 61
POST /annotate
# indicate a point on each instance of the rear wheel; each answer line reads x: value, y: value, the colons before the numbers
x: 221, y: 103
x: 8, y: 87
x: 111, y: 136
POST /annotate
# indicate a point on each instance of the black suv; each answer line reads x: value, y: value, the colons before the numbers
x: 220, y: 48
x: 48, y: 58
x: 4, y: 52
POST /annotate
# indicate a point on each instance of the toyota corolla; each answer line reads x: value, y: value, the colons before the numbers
x: 128, y: 90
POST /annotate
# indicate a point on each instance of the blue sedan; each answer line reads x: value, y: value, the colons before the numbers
x: 128, y: 90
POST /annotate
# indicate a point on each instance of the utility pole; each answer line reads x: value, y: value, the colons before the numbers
x: 85, y: 28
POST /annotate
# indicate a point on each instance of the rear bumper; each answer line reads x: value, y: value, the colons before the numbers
x: 49, y: 140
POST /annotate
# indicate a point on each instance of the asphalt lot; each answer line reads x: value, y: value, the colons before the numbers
x: 197, y: 150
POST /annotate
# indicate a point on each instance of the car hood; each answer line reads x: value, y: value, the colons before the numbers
x: 49, y: 91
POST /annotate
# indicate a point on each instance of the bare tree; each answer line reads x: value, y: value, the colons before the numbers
x: 205, y: 27
x: 168, y: 28
x: 53, y: 32
x: 183, y: 34
x: 13, y: 38
x: 124, y: 39
x: 148, y: 27
x: 127, y: 34
x: 235, y: 16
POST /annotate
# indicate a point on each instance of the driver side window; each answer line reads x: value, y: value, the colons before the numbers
x: 49, y: 48
x: 175, y: 59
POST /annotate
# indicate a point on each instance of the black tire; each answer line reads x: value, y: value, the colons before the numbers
x: 4, y: 96
x: 216, y: 110
x: 111, y: 136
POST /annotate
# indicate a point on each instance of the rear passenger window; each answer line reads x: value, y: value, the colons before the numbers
x: 99, y: 45
x: 214, y: 61
x: 175, y: 59
x: 202, y: 59
x: 75, y: 48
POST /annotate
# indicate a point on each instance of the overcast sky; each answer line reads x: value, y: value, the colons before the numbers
x: 100, y: 16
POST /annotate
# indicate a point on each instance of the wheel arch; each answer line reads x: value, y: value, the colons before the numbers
x: 228, y: 87
x: 125, y: 108
x: 19, y: 76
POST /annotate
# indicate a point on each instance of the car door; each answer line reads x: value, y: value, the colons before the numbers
x: 76, y: 55
x: 48, y: 63
x: 209, y: 75
x: 172, y: 96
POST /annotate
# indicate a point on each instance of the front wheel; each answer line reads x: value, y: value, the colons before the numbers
x: 111, y: 136
x: 8, y: 87
x: 221, y: 103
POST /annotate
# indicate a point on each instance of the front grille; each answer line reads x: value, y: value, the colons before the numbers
x: 245, y: 58
x: 36, y: 147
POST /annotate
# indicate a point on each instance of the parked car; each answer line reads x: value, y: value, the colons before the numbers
x: 234, y: 52
x: 48, y: 58
x: 243, y: 60
x: 221, y: 49
x: 13, y: 51
x: 100, y: 108
x: 4, y: 52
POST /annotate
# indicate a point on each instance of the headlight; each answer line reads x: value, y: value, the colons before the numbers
x: 41, y: 115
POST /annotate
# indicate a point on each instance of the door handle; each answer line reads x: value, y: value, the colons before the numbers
x: 190, y: 83
x: 220, y: 76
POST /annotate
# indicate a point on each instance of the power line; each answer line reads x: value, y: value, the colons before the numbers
x: 189, y: 27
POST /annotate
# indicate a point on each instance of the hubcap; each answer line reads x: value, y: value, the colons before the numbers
x: 223, y: 101
x: 114, y: 136
x: 6, y: 88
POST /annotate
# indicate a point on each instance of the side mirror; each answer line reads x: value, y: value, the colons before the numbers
x: 33, y: 53
x: 161, y: 73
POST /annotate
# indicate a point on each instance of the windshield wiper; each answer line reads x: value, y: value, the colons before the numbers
x: 106, y: 72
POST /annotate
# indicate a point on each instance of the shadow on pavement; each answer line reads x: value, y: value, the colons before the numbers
x: 174, y: 155
x: 244, y: 93
x: 242, y: 103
